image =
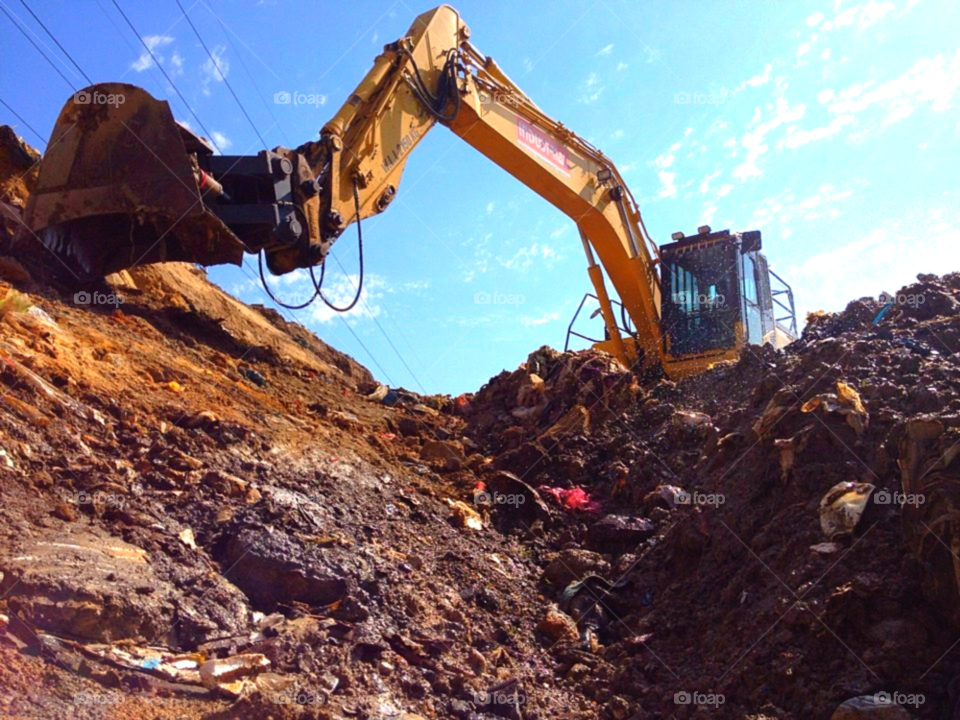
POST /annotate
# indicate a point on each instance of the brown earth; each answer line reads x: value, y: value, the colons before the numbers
x: 191, y: 482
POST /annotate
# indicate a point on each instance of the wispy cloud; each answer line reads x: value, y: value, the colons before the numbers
x: 154, y: 42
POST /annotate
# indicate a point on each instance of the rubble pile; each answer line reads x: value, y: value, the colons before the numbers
x: 208, y: 512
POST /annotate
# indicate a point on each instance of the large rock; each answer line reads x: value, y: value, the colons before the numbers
x: 272, y: 568
x: 619, y: 533
x: 574, y: 564
x: 89, y: 585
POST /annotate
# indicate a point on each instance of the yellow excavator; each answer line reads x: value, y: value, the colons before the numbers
x: 122, y: 184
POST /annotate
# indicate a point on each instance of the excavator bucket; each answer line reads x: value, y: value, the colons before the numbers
x: 118, y: 187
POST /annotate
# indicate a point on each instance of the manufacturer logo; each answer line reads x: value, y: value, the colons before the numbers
x: 542, y: 146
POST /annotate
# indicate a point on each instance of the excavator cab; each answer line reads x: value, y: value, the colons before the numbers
x: 717, y: 293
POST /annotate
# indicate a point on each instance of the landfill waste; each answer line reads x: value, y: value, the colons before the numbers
x: 568, y: 541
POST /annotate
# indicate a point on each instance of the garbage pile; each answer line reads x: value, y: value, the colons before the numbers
x: 777, y: 538
x: 208, y: 512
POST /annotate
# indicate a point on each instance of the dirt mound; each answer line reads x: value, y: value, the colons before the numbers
x: 208, y: 512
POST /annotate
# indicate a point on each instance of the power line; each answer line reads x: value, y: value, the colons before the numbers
x: 160, y: 67
x: 17, y: 115
x: 24, y: 32
x: 153, y: 73
x: 222, y: 76
x: 62, y: 49
x: 256, y: 87
x: 384, y: 332
x: 243, y: 268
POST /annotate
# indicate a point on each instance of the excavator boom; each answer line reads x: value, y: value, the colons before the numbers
x: 123, y: 184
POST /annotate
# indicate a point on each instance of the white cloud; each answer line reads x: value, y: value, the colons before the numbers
x: 527, y: 321
x: 222, y: 141
x: 154, y: 42
x: 606, y: 50
x: 724, y: 190
x: 881, y: 265
x: 825, y: 55
x: 757, y: 80
x: 933, y: 80
x: 617, y: 134
x: 668, y: 188
x: 705, y: 183
x: 873, y: 12
x: 524, y: 258
x: 802, y: 137
x: 815, y: 19
x: 621, y: 66
x: 490, y: 207
x: 214, y: 69
x: 590, y: 90
x: 803, y: 49
x: 341, y: 289
x: 753, y: 141
x: 176, y: 64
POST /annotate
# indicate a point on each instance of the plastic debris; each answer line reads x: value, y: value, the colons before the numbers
x: 254, y: 377
x: 465, y: 515
x: 228, y: 675
x: 842, y: 506
x: 187, y: 538
x: 575, y: 498
x: 845, y: 402
x: 690, y: 419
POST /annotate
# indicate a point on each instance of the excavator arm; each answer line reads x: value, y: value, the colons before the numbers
x: 435, y: 75
x: 123, y: 184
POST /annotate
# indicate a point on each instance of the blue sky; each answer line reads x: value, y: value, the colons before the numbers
x: 830, y: 125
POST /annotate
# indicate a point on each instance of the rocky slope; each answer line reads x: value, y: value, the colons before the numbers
x: 208, y: 512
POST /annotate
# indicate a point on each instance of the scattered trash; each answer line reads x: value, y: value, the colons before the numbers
x: 186, y: 537
x: 229, y: 675
x: 691, y: 420
x: 845, y: 402
x: 253, y: 376
x: 575, y: 498
x: 842, y: 506
x: 465, y: 515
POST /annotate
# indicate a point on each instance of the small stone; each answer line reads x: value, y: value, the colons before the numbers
x: 557, y: 626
